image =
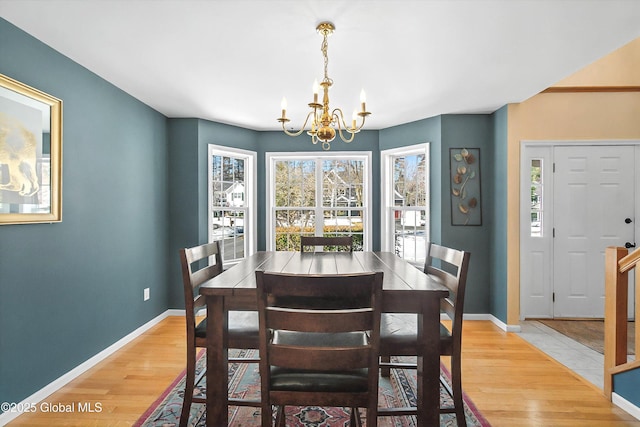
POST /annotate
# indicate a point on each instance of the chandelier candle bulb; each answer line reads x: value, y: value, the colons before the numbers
x: 283, y: 105
x: 363, y: 100
x: 316, y: 88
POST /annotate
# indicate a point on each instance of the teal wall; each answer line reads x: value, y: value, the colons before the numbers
x: 187, y: 171
x: 470, y: 131
x: 184, y: 200
x: 626, y: 386
x: 69, y: 290
x: 134, y: 192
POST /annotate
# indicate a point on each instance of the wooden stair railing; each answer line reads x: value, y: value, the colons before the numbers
x: 618, y: 263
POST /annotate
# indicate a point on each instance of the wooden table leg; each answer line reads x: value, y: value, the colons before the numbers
x: 217, y: 362
x: 428, y: 376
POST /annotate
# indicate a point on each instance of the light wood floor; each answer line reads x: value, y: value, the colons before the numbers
x: 510, y: 381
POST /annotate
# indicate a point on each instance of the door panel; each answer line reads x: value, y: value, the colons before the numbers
x: 593, y: 194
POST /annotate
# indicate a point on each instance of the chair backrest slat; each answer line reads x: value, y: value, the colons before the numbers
x: 200, y: 276
x: 196, y: 269
x: 320, y: 321
x: 450, y: 267
x: 336, y: 241
x: 329, y: 359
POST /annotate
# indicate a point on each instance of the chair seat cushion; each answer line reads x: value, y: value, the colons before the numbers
x: 399, y: 332
x: 242, y: 325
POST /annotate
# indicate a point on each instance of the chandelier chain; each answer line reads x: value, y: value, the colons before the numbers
x: 324, y: 48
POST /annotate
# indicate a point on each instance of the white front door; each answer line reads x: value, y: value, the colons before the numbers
x: 568, y: 217
x: 593, y: 205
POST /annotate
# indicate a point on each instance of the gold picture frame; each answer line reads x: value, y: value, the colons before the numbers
x: 30, y: 154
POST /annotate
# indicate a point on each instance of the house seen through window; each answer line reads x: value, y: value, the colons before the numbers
x: 325, y: 195
x: 405, y: 199
x: 231, y: 200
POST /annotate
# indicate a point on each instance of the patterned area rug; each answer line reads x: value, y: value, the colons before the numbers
x: 244, y: 381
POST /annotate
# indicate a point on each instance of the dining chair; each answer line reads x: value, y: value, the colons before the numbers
x: 398, y: 331
x: 344, y: 242
x: 319, y: 356
x: 199, y: 264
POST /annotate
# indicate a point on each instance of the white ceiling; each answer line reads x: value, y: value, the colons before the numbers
x: 232, y: 61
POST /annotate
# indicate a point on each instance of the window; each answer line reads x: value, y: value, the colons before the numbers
x: 231, y: 192
x: 405, y: 202
x: 536, y: 197
x: 323, y: 195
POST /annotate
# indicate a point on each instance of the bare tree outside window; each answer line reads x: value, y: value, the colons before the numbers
x: 405, y: 202
x: 318, y: 197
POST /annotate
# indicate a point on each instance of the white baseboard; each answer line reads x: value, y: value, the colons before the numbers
x: 490, y: 317
x: 57, y: 384
x: 476, y: 316
x: 505, y: 327
x: 625, y: 405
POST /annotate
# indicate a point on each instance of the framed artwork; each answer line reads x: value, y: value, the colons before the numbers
x: 30, y: 154
x: 466, y: 206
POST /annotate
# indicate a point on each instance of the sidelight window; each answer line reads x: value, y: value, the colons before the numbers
x: 536, y: 197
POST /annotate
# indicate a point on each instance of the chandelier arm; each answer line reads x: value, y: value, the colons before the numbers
x: 302, y: 129
x: 356, y: 129
x: 346, y: 140
x: 338, y: 119
x: 364, y: 118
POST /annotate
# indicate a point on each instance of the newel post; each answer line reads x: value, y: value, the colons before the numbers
x: 615, y: 315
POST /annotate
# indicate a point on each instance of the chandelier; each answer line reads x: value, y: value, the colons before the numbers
x: 323, y: 120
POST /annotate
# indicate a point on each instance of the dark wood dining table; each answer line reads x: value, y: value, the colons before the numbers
x: 406, y: 289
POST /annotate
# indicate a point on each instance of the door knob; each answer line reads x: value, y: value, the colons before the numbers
x: 629, y: 245
x: 628, y: 221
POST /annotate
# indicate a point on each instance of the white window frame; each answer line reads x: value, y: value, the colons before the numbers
x: 386, y: 200
x: 250, y: 208
x: 270, y: 161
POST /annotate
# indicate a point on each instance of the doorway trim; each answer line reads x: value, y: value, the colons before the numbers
x: 525, y: 200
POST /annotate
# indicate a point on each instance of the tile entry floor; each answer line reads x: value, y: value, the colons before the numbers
x: 587, y: 363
